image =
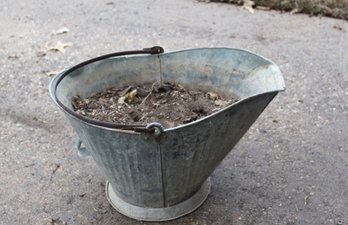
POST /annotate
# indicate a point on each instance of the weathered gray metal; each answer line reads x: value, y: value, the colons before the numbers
x: 165, y: 176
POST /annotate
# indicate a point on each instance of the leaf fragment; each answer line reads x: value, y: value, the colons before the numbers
x: 62, y: 30
x: 219, y: 102
x: 53, y: 73
x: 213, y: 96
x: 263, y: 8
x: 248, y: 5
x: 59, y: 47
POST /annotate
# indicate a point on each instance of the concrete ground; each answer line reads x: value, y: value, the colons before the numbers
x: 290, y: 168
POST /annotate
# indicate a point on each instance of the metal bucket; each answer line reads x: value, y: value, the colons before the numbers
x: 157, y: 174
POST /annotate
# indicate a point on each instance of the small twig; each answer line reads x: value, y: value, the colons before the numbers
x: 148, y: 95
x: 29, y: 165
x: 54, y: 171
x: 145, y: 115
x: 125, y: 91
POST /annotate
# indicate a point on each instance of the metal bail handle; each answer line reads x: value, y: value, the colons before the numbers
x: 137, y: 128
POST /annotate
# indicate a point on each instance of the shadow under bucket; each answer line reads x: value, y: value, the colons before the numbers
x: 157, y: 174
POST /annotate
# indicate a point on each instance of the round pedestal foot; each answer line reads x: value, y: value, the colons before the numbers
x: 159, y: 214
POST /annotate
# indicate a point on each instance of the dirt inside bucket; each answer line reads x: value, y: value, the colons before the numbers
x: 171, y: 104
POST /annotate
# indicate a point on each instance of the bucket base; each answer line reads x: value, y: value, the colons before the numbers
x: 159, y: 214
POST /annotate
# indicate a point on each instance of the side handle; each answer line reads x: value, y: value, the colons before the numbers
x: 82, y: 151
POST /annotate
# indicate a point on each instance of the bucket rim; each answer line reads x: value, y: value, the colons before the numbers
x: 138, y: 129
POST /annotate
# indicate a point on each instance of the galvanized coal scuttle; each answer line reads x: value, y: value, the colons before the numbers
x: 157, y: 174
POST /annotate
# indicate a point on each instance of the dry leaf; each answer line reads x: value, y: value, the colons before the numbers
x: 248, y: 5
x: 213, y: 96
x: 128, y: 97
x: 62, y: 30
x: 122, y: 100
x: 131, y: 95
x: 59, y: 47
